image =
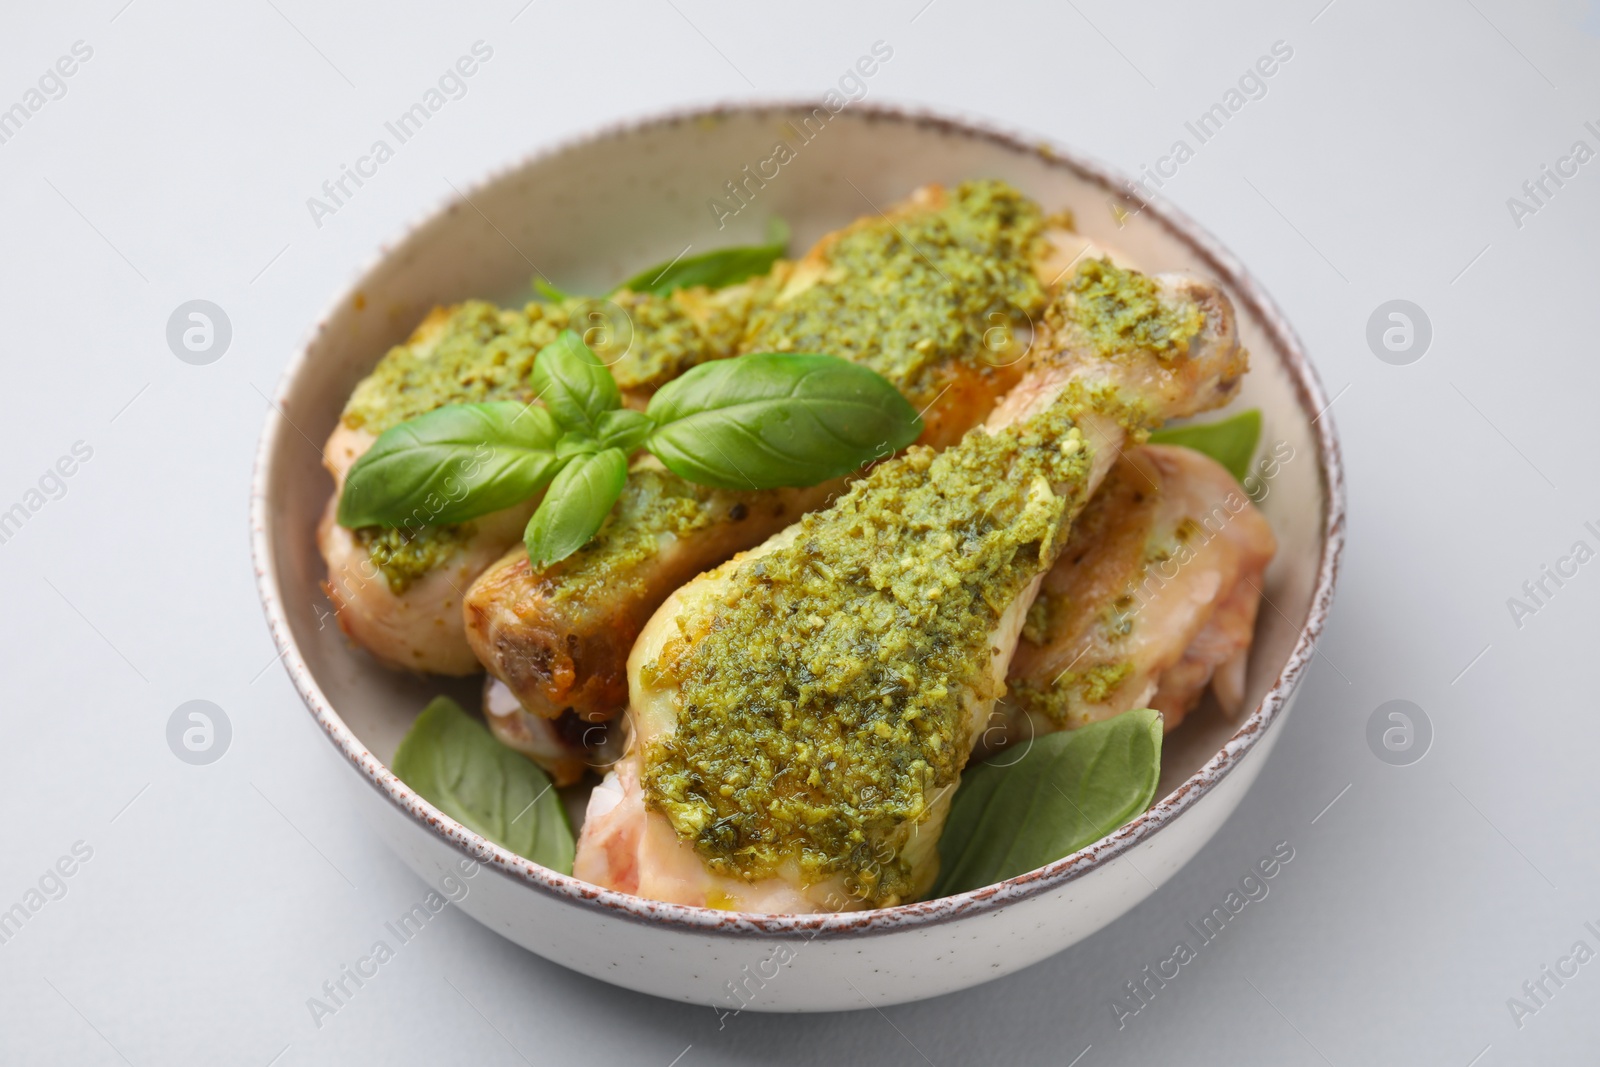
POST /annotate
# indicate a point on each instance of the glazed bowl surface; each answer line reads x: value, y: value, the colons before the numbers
x: 590, y: 212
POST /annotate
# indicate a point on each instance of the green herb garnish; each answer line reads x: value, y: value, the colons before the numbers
x: 585, y: 490
x: 544, y: 288
x: 1068, y: 790
x: 575, y: 386
x: 453, y: 761
x: 1231, y: 441
x: 714, y: 270
x: 452, y: 464
x: 752, y: 422
x: 763, y: 421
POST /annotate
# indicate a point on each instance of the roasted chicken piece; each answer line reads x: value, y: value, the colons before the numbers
x: 1153, y: 599
x: 398, y: 592
x: 943, y: 296
x: 566, y: 747
x: 801, y: 715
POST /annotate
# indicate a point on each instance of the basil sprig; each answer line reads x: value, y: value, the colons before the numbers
x: 585, y: 489
x: 1231, y: 441
x: 575, y: 386
x: 452, y: 464
x: 716, y: 269
x: 545, y: 288
x: 777, y: 419
x: 753, y: 422
x: 453, y: 761
x: 1068, y: 790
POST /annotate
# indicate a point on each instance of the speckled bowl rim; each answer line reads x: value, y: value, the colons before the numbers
x: 1222, y: 265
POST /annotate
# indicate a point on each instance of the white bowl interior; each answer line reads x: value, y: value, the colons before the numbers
x: 595, y: 212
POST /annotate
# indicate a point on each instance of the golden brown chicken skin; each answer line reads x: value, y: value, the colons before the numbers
x: 1153, y: 600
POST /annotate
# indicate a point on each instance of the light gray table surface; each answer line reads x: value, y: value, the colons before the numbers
x: 176, y: 162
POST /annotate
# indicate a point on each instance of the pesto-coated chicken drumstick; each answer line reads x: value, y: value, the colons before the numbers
x: 801, y: 715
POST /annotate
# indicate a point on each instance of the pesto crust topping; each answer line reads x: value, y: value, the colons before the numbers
x: 403, y: 556
x: 482, y: 352
x: 904, y: 297
x: 1062, y: 701
x: 655, y: 506
x: 824, y: 703
x: 1122, y: 313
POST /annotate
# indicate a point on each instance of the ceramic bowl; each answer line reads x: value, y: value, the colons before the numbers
x: 599, y: 209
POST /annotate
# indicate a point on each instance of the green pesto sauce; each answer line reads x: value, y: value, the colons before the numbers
x: 485, y: 353
x: 481, y: 353
x: 664, y: 340
x: 1122, y: 314
x: 1036, y: 626
x: 901, y: 297
x: 825, y: 705
x: 1062, y: 701
x: 403, y: 558
x: 655, y: 506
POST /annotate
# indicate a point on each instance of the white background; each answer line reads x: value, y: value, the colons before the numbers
x: 219, y: 898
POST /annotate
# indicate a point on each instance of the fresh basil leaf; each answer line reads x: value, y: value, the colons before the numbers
x: 1068, y: 790
x: 452, y: 464
x: 1231, y: 441
x: 576, y: 444
x: 714, y: 270
x: 776, y: 419
x: 543, y: 287
x: 574, y: 385
x: 453, y: 761
x: 624, y: 428
x: 577, y: 502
